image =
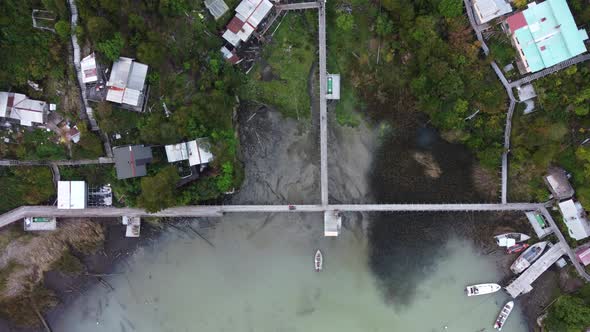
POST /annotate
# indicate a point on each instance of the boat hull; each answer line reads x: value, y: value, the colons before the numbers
x: 509, y: 239
x: 503, y: 316
x: 482, y: 289
x: 318, y: 261
x: 528, y: 257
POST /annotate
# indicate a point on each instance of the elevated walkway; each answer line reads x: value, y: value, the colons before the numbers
x: 522, y: 284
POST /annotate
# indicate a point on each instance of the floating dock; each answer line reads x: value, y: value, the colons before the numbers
x: 522, y: 284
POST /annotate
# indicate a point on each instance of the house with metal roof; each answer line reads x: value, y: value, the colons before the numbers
x: 197, y: 152
x: 127, y: 86
x: 249, y: 14
x: 559, y: 184
x: 71, y: 195
x: 18, y: 108
x: 230, y: 56
x: 487, y: 10
x: 89, y: 69
x: 216, y: 7
x: 583, y: 255
x: 131, y: 161
x: 575, y: 219
x: 545, y: 34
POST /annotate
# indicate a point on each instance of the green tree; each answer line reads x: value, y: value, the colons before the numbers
x: 226, y: 179
x: 112, y: 48
x: 568, y: 314
x: 450, y: 8
x: 158, y: 191
x: 384, y: 26
x: 99, y: 28
x: 345, y: 22
x: 62, y: 28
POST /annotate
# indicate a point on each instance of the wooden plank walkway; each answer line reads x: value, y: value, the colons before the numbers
x: 523, y: 284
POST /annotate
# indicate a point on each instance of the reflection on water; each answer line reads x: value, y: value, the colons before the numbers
x: 260, y: 277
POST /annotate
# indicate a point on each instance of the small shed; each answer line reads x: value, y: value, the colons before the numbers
x: 540, y: 225
x: 332, y: 223
x: 583, y: 255
x: 558, y: 183
x: 575, y: 219
x: 40, y: 224
x: 133, y: 226
x: 216, y: 7
x: 71, y: 195
x: 131, y: 161
x: 89, y: 69
x: 526, y: 92
x: 333, y: 86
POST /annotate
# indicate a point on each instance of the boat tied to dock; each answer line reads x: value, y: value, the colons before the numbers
x: 528, y: 257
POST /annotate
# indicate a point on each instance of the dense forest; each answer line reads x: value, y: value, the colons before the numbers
x: 177, y: 39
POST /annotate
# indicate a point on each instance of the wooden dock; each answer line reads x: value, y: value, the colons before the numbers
x: 522, y: 284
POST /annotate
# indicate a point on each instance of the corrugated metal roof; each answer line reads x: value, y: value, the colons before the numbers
x: 216, y: 7
x: 575, y: 219
x: 19, y: 107
x: 131, y: 161
x: 88, y: 68
x: 127, y: 82
x: 71, y: 195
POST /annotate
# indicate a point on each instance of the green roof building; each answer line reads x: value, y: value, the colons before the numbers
x: 546, y: 34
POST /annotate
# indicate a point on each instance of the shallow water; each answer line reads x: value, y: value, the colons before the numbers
x: 260, y: 277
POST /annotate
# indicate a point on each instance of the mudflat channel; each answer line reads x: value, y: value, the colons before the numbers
x: 386, y: 272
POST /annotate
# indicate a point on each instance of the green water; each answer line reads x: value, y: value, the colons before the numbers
x: 260, y: 277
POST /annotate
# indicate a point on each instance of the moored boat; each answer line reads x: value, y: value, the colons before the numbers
x: 509, y: 239
x: 503, y: 316
x: 519, y: 247
x: 481, y: 289
x: 528, y: 257
x: 318, y: 260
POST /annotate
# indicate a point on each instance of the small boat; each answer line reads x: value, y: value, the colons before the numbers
x: 482, y: 289
x: 519, y: 247
x: 318, y: 261
x: 503, y: 316
x: 509, y: 239
x: 528, y: 257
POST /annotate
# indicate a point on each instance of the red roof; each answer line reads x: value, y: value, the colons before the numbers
x: 584, y: 256
x: 235, y: 25
x: 516, y: 21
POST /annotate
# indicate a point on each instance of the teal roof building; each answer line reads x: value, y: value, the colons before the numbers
x: 546, y: 34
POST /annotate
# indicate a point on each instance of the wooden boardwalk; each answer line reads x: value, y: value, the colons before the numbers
x: 523, y: 284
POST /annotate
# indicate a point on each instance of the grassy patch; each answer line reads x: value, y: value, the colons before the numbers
x: 20, y: 309
x: 346, y: 109
x: 6, y: 272
x: 24, y: 185
x: 68, y: 263
x: 282, y: 81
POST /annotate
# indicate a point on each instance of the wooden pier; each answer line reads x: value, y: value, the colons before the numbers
x: 522, y: 284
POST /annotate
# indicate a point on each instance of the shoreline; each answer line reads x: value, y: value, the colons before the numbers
x: 291, y: 140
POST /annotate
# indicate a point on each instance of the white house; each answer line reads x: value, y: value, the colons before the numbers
x: 575, y: 219
x: 71, y: 195
x: 487, y: 10
x: 89, y: 69
x: 249, y: 14
x: 197, y: 152
x: 22, y: 110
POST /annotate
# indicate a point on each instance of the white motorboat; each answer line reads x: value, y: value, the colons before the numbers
x: 318, y: 260
x: 482, y: 289
x: 503, y: 316
x: 528, y: 257
x: 510, y: 239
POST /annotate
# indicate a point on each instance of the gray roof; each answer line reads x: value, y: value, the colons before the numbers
x: 131, y: 161
x: 558, y: 183
x: 216, y: 7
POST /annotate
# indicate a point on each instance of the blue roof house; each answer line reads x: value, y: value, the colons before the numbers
x: 546, y: 34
